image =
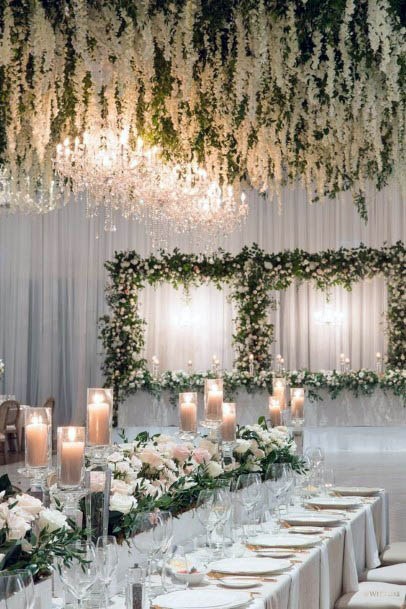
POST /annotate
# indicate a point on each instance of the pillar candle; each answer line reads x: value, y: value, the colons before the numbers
x: 36, y: 440
x: 297, y: 403
x: 229, y: 423
x: 214, y: 404
x: 279, y: 392
x: 98, y: 422
x: 187, y: 414
x: 275, y: 412
x: 72, y: 460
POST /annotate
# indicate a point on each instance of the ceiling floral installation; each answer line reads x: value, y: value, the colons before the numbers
x: 262, y: 93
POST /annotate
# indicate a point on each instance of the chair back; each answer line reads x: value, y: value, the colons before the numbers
x: 13, y: 412
x: 50, y: 403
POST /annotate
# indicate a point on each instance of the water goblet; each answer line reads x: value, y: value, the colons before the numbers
x: 78, y: 570
x: 13, y: 594
x: 28, y: 581
x: 107, y: 562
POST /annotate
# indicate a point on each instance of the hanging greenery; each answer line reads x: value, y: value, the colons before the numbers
x: 268, y: 91
x: 252, y: 275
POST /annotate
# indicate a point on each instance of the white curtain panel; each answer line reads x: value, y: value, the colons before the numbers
x: 52, y: 293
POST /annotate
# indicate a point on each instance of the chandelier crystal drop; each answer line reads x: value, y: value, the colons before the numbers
x: 118, y: 173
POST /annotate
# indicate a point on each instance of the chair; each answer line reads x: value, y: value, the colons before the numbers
x: 374, y: 595
x: 12, y: 419
x: 9, y: 414
x: 394, y: 553
x: 393, y: 574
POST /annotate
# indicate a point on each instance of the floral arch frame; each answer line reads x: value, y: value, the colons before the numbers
x: 252, y: 275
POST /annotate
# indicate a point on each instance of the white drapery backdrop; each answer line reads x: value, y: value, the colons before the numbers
x: 52, y: 293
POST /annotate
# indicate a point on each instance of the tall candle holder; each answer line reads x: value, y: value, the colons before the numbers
x: 190, y: 367
x: 70, y: 466
x: 275, y: 416
x: 228, y: 431
x: 155, y: 368
x: 215, y: 365
x: 188, y: 415
x: 297, y: 405
x: 379, y: 363
x: 347, y: 365
x: 279, y: 391
x: 213, y: 401
x: 98, y: 487
x: 38, y: 450
x: 99, y: 416
x: 342, y: 362
x: 251, y: 364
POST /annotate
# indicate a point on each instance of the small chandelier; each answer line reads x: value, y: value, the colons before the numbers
x: 119, y: 174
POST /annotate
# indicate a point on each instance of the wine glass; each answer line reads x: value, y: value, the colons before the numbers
x: 28, y: 581
x: 213, y: 509
x: 79, y: 571
x: 154, y: 535
x: 176, y: 572
x: 13, y: 594
x: 315, y: 455
x: 107, y: 562
x: 327, y: 479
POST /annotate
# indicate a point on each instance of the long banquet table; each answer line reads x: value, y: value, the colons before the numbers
x: 320, y: 575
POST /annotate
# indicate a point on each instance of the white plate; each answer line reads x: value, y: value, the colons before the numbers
x: 249, y: 566
x: 285, y: 541
x: 360, y: 491
x: 202, y: 599
x: 305, y: 530
x: 338, y: 502
x: 239, y: 582
x: 313, y: 519
x: 274, y: 553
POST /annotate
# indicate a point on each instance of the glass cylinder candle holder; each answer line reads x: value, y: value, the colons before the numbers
x: 38, y: 438
x: 99, y: 416
x: 279, y: 391
x: 229, y: 422
x: 213, y: 402
x: 188, y: 414
x: 297, y: 404
x: 275, y: 415
x: 70, y: 457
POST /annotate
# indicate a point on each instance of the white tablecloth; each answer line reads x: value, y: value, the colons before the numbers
x: 323, y: 574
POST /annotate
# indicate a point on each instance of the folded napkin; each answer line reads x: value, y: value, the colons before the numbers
x: 371, y: 547
x: 350, y: 575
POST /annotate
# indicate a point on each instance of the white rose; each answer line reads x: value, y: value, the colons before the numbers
x: 17, y: 526
x: 27, y: 505
x: 52, y: 520
x: 2, y: 556
x: 242, y: 446
x: 214, y: 469
x: 209, y: 446
x: 123, y: 467
x: 122, y: 503
x: 116, y: 457
x: 121, y: 488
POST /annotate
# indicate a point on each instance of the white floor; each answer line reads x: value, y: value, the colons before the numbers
x: 386, y: 470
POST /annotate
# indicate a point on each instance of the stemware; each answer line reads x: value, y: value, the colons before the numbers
x: 13, y: 594
x: 315, y: 454
x: 107, y: 562
x: 154, y: 536
x: 213, y: 510
x: 28, y: 581
x: 326, y: 479
x: 80, y: 572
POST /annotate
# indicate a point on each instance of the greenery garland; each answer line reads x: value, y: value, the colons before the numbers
x: 269, y: 91
x: 252, y: 275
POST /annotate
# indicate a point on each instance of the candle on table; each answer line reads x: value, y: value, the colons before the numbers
x: 98, y: 421
x: 229, y: 422
x: 72, y: 457
x: 342, y: 357
x: 36, y: 442
x: 279, y: 392
x: 214, y: 403
x: 190, y: 366
x: 378, y: 356
x: 275, y: 414
x: 297, y: 403
x: 188, y: 412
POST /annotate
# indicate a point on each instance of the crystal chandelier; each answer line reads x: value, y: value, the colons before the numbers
x: 117, y: 173
x: 329, y: 317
